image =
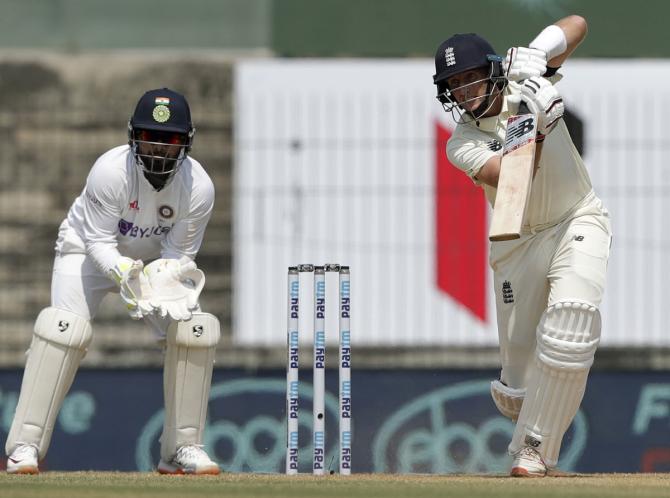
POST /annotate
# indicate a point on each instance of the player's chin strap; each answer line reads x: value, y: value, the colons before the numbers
x: 491, y: 96
x: 495, y: 87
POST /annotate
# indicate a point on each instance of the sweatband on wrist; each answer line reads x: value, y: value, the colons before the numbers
x: 550, y: 71
x: 551, y: 41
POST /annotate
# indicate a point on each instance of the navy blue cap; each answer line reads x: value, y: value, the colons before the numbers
x: 460, y: 53
x: 162, y: 110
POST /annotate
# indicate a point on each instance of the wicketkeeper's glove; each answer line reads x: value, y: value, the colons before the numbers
x: 175, y: 287
x: 133, y: 287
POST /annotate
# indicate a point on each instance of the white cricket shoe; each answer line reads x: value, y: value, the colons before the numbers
x: 23, y: 460
x: 528, y: 463
x: 189, y: 459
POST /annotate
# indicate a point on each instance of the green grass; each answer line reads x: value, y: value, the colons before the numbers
x: 115, y: 484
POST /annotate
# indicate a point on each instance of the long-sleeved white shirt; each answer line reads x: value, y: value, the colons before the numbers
x: 119, y: 213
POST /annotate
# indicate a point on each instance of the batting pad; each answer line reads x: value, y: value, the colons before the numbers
x: 567, y: 337
x: 58, y: 346
x: 187, y: 378
x: 507, y: 400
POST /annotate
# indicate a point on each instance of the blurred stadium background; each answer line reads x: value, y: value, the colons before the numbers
x: 316, y: 120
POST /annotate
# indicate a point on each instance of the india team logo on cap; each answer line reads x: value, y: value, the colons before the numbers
x: 161, y: 113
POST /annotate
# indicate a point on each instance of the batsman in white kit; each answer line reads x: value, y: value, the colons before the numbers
x: 144, y: 202
x: 550, y: 275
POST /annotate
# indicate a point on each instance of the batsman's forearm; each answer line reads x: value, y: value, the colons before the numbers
x: 575, y: 29
x: 490, y: 172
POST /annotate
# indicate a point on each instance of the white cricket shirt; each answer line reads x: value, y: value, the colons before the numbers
x: 120, y: 213
x: 560, y: 187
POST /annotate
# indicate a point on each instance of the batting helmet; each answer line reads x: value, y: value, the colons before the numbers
x: 463, y: 52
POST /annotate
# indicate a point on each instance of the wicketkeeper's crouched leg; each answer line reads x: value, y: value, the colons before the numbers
x: 59, y: 343
x: 187, y: 379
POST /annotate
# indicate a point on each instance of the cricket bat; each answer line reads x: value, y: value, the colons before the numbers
x: 516, y: 176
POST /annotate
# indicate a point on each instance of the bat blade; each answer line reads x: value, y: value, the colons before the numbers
x: 516, y: 176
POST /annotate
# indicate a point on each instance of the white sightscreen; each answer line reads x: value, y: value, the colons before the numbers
x: 335, y: 162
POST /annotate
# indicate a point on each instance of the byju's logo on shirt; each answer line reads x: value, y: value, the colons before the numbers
x: 129, y: 229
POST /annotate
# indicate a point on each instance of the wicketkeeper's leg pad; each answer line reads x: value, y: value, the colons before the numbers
x: 59, y: 343
x: 507, y: 399
x: 187, y: 379
x: 567, y: 337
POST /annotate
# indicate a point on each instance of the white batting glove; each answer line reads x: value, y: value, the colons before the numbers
x: 543, y: 100
x: 522, y: 63
x: 175, y: 287
x: 133, y: 287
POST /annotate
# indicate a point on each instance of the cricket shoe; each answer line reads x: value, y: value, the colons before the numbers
x: 189, y: 459
x: 23, y: 460
x: 528, y: 463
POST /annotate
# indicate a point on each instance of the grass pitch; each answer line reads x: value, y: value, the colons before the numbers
x: 116, y: 484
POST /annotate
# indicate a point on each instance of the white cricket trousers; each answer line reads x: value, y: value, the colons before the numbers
x: 565, y: 262
x: 78, y: 285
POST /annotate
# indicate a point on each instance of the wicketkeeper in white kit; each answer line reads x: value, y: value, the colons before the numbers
x: 147, y: 200
x: 549, y: 283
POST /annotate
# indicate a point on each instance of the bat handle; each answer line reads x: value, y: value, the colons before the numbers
x: 523, y: 108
